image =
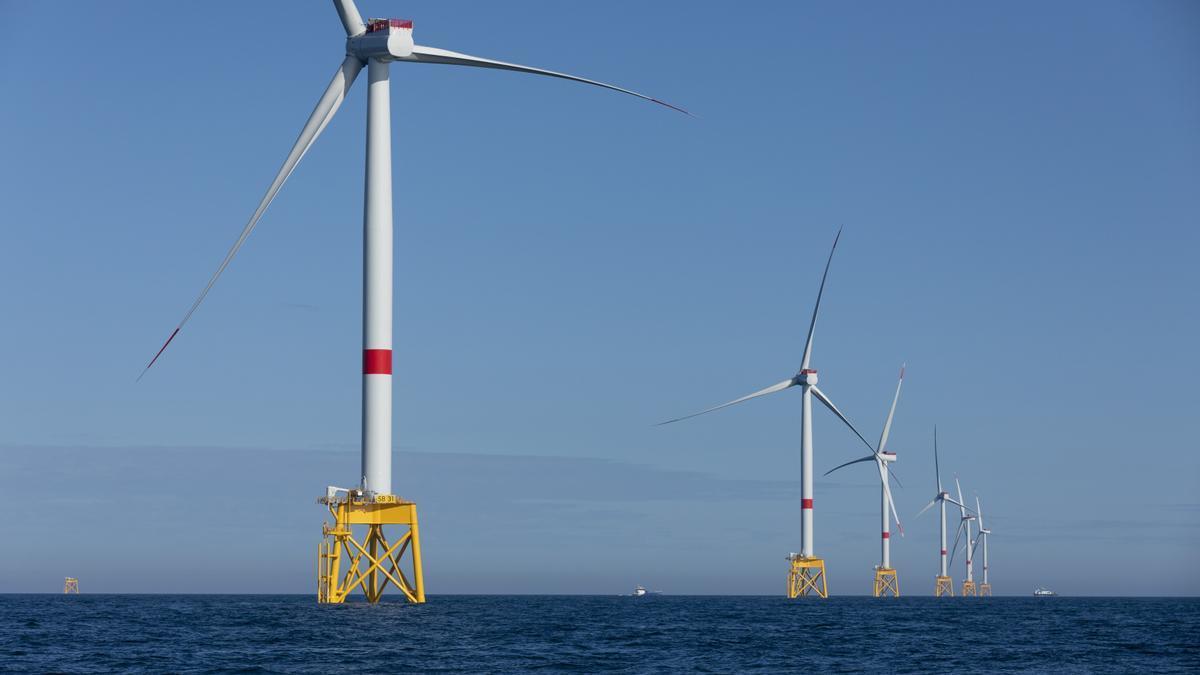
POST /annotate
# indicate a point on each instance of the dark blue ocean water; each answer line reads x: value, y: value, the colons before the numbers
x: 213, y: 633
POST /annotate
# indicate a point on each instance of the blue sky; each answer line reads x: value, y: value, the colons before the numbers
x: 1017, y: 186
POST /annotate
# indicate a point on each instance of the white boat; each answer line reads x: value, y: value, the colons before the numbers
x: 639, y: 591
x: 1043, y: 593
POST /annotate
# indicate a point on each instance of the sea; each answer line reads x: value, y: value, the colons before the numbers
x: 655, y: 634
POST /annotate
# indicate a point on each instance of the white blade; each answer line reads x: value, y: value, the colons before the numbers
x: 762, y: 392
x: 979, y: 511
x: 960, y: 501
x: 853, y: 461
x: 422, y: 54
x: 927, y: 506
x: 812, y: 326
x: 961, y: 507
x: 936, y: 468
x: 975, y: 547
x: 887, y: 492
x: 957, y: 534
x: 829, y: 404
x: 887, y: 426
x: 329, y: 103
x: 351, y: 19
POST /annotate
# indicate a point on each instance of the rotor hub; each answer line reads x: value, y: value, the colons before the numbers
x: 807, y: 376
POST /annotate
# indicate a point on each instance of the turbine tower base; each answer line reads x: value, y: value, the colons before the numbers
x: 71, y: 585
x: 886, y: 582
x: 807, y: 577
x: 945, y: 586
x: 985, y: 590
x: 968, y: 589
x: 345, y: 563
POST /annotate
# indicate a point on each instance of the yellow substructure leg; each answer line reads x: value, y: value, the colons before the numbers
x: 968, y: 589
x: 71, y: 585
x: 807, y: 577
x: 944, y: 587
x: 985, y: 590
x: 886, y: 583
x: 344, y: 563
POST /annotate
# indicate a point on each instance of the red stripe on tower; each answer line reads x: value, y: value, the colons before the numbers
x: 887, y: 535
x: 943, y: 551
x: 377, y: 362
x: 806, y: 503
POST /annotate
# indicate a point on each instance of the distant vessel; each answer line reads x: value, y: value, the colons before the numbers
x: 1043, y: 593
x: 640, y: 591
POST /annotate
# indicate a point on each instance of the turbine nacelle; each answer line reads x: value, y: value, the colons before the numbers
x: 887, y: 456
x: 385, y: 39
x: 807, y: 376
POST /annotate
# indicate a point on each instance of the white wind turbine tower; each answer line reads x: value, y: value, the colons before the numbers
x: 944, y: 585
x: 964, y: 524
x: 807, y: 572
x: 374, y: 45
x: 985, y: 588
x: 886, y: 582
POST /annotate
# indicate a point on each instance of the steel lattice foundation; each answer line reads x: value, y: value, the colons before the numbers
x: 945, y: 586
x: 985, y: 590
x: 886, y: 583
x: 968, y: 589
x: 807, y: 577
x: 345, y: 564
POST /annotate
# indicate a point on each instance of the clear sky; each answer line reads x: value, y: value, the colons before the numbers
x: 1018, y: 186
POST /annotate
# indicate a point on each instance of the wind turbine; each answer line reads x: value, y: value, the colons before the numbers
x: 964, y: 524
x: 886, y: 582
x: 807, y: 573
x: 375, y: 45
x: 944, y: 585
x: 984, y: 534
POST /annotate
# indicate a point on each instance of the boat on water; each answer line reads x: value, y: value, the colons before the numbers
x: 640, y: 591
x: 1040, y: 592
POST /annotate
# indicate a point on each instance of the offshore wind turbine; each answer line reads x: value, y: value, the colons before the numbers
x: 984, y: 534
x: 964, y: 524
x: 944, y: 586
x: 807, y: 572
x: 886, y: 582
x: 374, y: 564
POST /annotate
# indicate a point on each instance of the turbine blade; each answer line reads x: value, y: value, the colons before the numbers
x: 853, y: 461
x: 957, y: 534
x: 761, y: 392
x: 328, y: 104
x: 887, y: 492
x: 927, y: 506
x: 422, y: 54
x: 829, y: 404
x: 351, y: 19
x: 979, y: 511
x: 887, y: 426
x: 960, y: 497
x: 936, y: 467
x: 961, y: 507
x: 812, y: 326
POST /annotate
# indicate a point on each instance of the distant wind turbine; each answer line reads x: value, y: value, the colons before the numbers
x: 943, y: 586
x: 886, y: 582
x: 964, y: 524
x: 985, y: 588
x: 807, y: 575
